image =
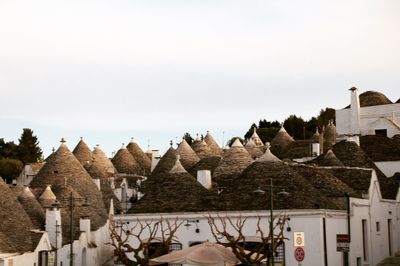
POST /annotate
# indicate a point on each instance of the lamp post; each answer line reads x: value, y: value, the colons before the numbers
x: 71, y: 203
x: 271, y: 247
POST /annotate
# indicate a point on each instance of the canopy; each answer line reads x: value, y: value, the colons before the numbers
x: 207, y: 254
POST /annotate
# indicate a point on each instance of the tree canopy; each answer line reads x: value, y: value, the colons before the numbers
x: 28, y: 147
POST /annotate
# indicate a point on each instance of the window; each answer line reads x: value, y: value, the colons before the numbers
x: 378, y: 227
x: 381, y: 132
x: 365, y: 239
x: 389, y: 222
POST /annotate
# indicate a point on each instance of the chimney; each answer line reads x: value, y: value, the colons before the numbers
x: 97, y: 182
x: 112, y: 184
x: 316, y: 150
x: 321, y: 140
x: 355, y: 112
x: 53, y: 225
x: 204, y: 178
x: 84, y: 226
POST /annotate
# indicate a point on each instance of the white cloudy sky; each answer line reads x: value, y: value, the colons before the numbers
x: 111, y: 69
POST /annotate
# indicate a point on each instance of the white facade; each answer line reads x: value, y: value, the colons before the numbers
x: 29, y: 258
x: 358, y: 120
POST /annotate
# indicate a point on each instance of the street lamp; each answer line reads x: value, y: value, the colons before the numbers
x: 271, y: 258
x: 71, y: 202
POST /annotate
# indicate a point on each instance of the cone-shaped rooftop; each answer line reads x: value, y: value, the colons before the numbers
x: 268, y: 156
x: 166, y: 162
x: 64, y: 171
x: 102, y: 161
x: 315, y: 137
x: 177, y: 168
x: 124, y: 162
x: 173, y: 192
x: 83, y: 153
x: 234, y: 161
x: 302, y: 195
x: 372, y: 98
x: 140, y: 157
x: 254, y: 150
x: 216, y: 150
x: 187, y: 155
x: 281, y: 142
x: 32, y: 207
x: 350, y: 154
x: 256, y: 138
x: 202, y: 149
x: 15, y: 224
x: 330, y: 133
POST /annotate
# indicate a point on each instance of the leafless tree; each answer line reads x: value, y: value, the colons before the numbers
x: 143, y: 234
x: 230, y: 233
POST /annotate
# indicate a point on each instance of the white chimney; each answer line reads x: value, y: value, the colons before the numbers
x: 204, y: 178
x: 112, y: 184
x: 53, y: 226
x: 355, y: 112
x: 97, y: 182
x: 315, y: 149
x: 84, y: 226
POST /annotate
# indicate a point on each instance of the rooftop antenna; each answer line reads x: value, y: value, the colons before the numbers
x: 223, y: 139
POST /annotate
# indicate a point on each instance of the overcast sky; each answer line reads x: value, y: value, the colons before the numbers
x: 111, y: 69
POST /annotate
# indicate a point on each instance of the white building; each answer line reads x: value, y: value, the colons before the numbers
x: 316, y: 205
x: 371, y: 113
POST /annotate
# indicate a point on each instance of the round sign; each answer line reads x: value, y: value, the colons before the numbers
x: 299, y: 254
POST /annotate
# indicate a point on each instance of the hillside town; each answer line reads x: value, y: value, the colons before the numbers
x: 332, y: 199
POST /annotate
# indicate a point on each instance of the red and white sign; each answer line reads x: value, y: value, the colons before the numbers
x: 298, y: 238
x: 299, y: 254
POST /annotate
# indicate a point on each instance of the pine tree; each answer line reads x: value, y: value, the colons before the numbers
x: 28, y: 148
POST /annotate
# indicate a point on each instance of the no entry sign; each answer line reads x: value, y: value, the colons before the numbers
x: 299, y: 254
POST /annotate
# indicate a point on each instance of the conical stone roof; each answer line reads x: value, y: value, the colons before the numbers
x: 254, y: 150
x: 177, y: 168
x: 372, y: 98
x: 201, y: 148
x: 302, y: 194
x: 101, y: 161
x: 124, y: 162
x: 105, y: 187
x: 281, y: 142
x: 268, y: 156
x: 330, y: 133
x: 32, y: 207
x: 83, y: 153
x: 216, y: 150
x: 315, y: 137
x: 166, y: 162
x: 187, y: 155
x: 173, y: 192
x: 63, y: 171
x: 256, y: 138
x: 47, y: 198
x: 140, y: 157
x: 15, y: 224
x: 234, y: 161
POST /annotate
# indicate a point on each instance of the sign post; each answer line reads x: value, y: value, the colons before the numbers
x: 342, y: 243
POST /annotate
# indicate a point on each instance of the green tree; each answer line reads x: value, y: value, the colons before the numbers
x: 10, y: 168
x: 326, y: 115
x: 188, y: 138
x: 28, y: 148
x: 8, y: 149
x: 295, y: 126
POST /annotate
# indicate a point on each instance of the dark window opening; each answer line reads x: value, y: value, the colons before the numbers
x: 381, y: 132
